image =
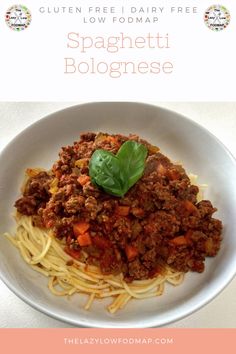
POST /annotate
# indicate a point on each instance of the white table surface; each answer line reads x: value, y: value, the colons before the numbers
x: 219, y: 118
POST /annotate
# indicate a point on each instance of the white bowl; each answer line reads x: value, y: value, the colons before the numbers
x: 179, y: 138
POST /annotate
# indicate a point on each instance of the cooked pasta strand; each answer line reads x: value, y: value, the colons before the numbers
x: 45, y: 255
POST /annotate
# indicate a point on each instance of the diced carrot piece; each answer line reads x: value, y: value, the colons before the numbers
x: 73, y: 253
x: 84, y: 240
x: 131, y: 252
x: 83, y: 179
x: 179, y: 241
x: 80, y: 228
x: 104, y: 138
x: 191, y: 208
x: 112, y: 139
x: 122, y: 210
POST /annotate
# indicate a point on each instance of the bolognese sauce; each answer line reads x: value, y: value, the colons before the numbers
x: 158, y: 221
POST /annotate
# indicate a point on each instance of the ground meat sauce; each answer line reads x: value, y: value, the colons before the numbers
x: 158, y: 221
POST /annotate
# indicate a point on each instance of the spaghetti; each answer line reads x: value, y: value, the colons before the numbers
x: 67, y: 276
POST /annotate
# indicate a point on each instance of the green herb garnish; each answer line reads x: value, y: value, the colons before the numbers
x: 116, y: 174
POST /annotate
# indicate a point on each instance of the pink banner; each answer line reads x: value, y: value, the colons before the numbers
x: 71, y: 341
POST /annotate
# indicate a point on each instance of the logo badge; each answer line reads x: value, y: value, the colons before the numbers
x: 217, y: 17
x: 18, y: 17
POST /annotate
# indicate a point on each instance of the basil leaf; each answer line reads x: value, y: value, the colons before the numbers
x: 117, y: 173
x: 132, y: 156
x: 105, y: 171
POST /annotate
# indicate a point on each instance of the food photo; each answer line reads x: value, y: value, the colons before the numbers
x: 117, y: 214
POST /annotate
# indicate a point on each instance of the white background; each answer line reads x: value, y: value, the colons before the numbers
x: 32, y: 65
x: 219, y: 118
